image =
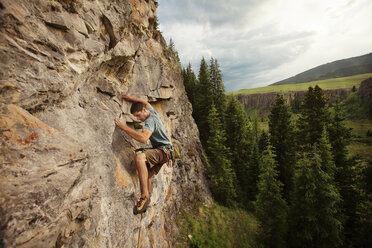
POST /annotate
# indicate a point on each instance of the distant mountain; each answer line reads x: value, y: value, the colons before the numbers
x: 340, y: 68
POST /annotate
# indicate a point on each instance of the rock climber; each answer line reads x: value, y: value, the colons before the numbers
x: 148, y: 160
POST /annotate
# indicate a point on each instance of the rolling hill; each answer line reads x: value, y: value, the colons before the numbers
x: 327, y: 84
x: 340, y: 68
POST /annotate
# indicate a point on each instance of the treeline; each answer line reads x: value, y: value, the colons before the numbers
x: 298, y: 178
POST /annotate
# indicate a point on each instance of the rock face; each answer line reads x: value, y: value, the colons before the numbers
x: 67, y: 177
x: 365, y: 89
x: 263, y: 101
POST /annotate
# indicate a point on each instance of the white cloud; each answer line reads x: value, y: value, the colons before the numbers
x: 261, y: 42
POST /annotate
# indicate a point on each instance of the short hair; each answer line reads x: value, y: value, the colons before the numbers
x: 136, y: 107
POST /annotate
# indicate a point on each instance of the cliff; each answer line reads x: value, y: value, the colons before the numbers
x: 67, y: 177
x: 263, y: 101
x: 365, y: 89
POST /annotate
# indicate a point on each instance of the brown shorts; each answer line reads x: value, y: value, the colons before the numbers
x: 155, y: 159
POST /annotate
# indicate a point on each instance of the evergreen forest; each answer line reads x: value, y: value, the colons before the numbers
x: 297, y: 179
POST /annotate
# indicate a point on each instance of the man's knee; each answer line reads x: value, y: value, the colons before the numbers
x: 140, y: 158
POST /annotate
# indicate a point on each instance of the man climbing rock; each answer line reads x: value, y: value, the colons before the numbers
x: 148, y: 160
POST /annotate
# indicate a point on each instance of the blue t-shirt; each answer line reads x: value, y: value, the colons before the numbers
x: 155, y: 124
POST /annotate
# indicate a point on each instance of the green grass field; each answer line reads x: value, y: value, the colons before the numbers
x: 362, y: 144
x: 335, y: 83
x: 216, y: 226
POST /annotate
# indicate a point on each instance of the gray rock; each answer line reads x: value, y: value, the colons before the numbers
x: 94, y: 47
x: 365, y: 89
x: 67, y: 172
x: 263, y: 101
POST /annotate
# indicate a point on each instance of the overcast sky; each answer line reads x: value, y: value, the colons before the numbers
x: 259, y: 42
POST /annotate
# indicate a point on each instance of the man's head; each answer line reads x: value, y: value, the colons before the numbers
x: 139, y: 111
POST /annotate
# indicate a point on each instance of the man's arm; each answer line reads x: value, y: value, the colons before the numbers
x: 142, y: 137
x: 133, y: 99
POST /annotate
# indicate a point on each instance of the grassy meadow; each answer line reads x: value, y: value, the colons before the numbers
x: 334, y: 83
x: 362, y: 142
x: 216, y: 226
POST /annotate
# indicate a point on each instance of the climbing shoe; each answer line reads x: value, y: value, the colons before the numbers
x: 141, y: 206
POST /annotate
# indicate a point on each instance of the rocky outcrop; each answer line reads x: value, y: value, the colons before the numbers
x: 263, y: 101
x: 365, y: 89
x: 67, y: 173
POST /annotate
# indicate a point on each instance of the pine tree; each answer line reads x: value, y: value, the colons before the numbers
x: 314, y: 117
x: 253, y: 173
x: 315, y: 210
x: 221, y: 174
x: 295, y: 103
x: 340, y: 138
x: 263, y: 142
x: 282, y: 140
x: 171, y: 44
x: 271, y: 208
x: 172, y: 48
x: 255, y: 128
x: 239, y: 134
x: 328, y: 165
x: 218, y: 88
x: 191, y: 84
x: 362, y: 231
x: 203, y: 101
x: 339, y: 135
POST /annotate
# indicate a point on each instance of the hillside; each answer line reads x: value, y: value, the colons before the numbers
x: 340, y: 68
x: 328, y: 84
x: 261, y: 98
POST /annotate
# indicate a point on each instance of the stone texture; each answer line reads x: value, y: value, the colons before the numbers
x: 67, y: 177
x: 263, y: 101
x: 365, y: 89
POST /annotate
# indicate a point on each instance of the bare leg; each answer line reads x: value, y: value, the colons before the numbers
x: 142, y: 174
x: 149, y: 183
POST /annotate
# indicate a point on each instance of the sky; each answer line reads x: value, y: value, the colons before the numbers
x: 260, y: 42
